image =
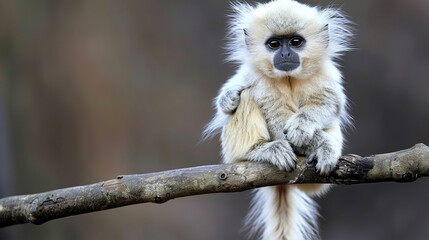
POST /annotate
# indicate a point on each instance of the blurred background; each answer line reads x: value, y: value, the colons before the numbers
x: 93, y: 89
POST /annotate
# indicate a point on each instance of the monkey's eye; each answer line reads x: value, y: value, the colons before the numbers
x: 296, y: 42
x: 273, y: 43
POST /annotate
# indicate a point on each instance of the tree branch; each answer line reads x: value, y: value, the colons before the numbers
x: 402, y: 166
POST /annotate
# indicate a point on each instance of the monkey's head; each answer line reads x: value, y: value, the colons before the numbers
x: 286, y: 38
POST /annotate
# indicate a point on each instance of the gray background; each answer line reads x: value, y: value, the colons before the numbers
x: 93, y: 89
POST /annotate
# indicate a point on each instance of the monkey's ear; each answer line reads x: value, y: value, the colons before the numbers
x: 246, y: 37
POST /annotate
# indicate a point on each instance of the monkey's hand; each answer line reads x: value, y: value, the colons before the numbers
x: 326, y: 154
x: 278, y: 152
x: 300, y: 129
x: 228, y: 100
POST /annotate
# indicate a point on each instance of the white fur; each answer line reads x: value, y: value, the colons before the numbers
x: 281, y: 211
x: 308, y: 103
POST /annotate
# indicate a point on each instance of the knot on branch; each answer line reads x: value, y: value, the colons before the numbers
x: 352, y: 168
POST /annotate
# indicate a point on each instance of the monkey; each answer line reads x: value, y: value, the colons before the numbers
x: 286, y: 98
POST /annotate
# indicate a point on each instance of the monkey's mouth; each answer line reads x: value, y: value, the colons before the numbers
x: 285, y: 62
x: 286, y: 65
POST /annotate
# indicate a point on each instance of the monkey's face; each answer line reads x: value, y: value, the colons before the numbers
x: 287, y: 40
x: 286, y: 51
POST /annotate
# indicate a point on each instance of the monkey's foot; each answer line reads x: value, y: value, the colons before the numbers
x: 326, y: 158
x: 228, y: 100
x: 299, y: 130
x: 278, y: 152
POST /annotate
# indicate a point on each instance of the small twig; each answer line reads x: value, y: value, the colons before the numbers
x: 402, y: 166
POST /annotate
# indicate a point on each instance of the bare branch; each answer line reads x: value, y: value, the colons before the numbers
x: 402, y: 166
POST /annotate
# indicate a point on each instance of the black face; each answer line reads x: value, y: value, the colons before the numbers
x: 286, y: 57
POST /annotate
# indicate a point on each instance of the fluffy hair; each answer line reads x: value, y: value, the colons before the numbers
x: 329, y: 46
x: 268, y: 114
x: 244, y: 16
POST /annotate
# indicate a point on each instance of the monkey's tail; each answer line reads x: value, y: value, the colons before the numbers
x: 283, y: 213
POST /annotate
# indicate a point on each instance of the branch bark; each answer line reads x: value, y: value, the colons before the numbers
x: 402, y: 166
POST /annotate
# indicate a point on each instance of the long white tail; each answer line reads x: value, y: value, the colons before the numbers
x: 283, y: 213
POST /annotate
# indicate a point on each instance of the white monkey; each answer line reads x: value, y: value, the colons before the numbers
x: 285, y: 98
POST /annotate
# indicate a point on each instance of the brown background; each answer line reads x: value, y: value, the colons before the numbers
x: 93, y: 89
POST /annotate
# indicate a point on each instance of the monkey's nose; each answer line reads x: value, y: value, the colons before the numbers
x: 287, y: 54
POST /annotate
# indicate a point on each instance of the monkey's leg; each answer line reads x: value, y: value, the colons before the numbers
x: 245, y: 136
x: 243, y: 130
x: 327, y: 149
x: 324, y: 149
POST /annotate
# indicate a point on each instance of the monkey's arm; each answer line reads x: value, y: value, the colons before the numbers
x: 228, y: 100
x: 229, y: 95
x: 315, y: 127
x: 321, y: 111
